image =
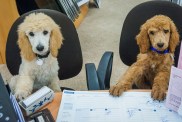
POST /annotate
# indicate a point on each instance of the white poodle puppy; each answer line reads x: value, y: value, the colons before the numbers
x: 39, y: 39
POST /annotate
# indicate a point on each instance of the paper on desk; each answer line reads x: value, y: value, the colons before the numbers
x: 86, y: 106
x: 180, y: 58
x: 174, y: 94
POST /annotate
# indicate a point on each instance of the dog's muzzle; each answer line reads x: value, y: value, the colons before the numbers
x: 40, y: 47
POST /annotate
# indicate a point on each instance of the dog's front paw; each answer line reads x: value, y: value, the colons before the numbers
x: 55, y: 87
x: 21, y: 94
x: 158, y: 93
x: 116, y: 90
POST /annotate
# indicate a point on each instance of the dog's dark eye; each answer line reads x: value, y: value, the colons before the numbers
x: 45, y: 32
x: 31, y: 33
x: 151, y: 32
x: 166, y: 31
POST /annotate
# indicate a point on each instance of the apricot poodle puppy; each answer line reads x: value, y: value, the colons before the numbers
x: 157, y: 40
x: 39, y: 39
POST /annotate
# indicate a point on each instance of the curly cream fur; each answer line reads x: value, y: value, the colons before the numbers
x: 150, y: 66
x: 32, y: 76
x: 38, y: 22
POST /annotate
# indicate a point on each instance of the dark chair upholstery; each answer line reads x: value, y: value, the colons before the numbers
x: 70, y: 55
x: 136, y: 17
x: 128, y: 48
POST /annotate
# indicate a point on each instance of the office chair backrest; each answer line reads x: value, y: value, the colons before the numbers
x: 70, y: 55
x: 136, y: 17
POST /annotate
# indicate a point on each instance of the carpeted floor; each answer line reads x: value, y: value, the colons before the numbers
x: 99, y: 32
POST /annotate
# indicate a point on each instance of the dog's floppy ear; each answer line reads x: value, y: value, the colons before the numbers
x: 174, y: 37
x: 55, y: 41
x: 25, y: 46
x: 143, y: 40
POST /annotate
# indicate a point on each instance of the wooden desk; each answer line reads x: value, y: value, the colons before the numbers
x: 8, y: 14
x: 82, y: 15
x: 55, y: 104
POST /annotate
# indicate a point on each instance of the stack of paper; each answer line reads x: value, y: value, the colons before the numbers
x: 81, y: 2
x: 70, y: 8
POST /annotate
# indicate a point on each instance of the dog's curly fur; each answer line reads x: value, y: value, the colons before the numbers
x: 161, y: 33
x: 32, y: 76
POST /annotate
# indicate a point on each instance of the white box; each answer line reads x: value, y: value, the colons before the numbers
x: 37, y: 100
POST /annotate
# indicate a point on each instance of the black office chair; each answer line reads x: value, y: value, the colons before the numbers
x: 136, y: 17
x: 128, y: 48
x: 70, y: 55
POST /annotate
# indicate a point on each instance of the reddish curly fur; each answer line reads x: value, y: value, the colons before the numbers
x: 151, y: 66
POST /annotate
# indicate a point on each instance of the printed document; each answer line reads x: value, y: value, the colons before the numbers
x: 180, y: 57
x: 87, y: 106
x: 174, y: 94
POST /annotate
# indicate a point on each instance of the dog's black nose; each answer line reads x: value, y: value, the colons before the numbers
x: 160, y: 45
x: 40, y: 47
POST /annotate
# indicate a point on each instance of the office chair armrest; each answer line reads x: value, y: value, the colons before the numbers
x: 100, y: 79
x: 91, y: 75
x: 104, y: 70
